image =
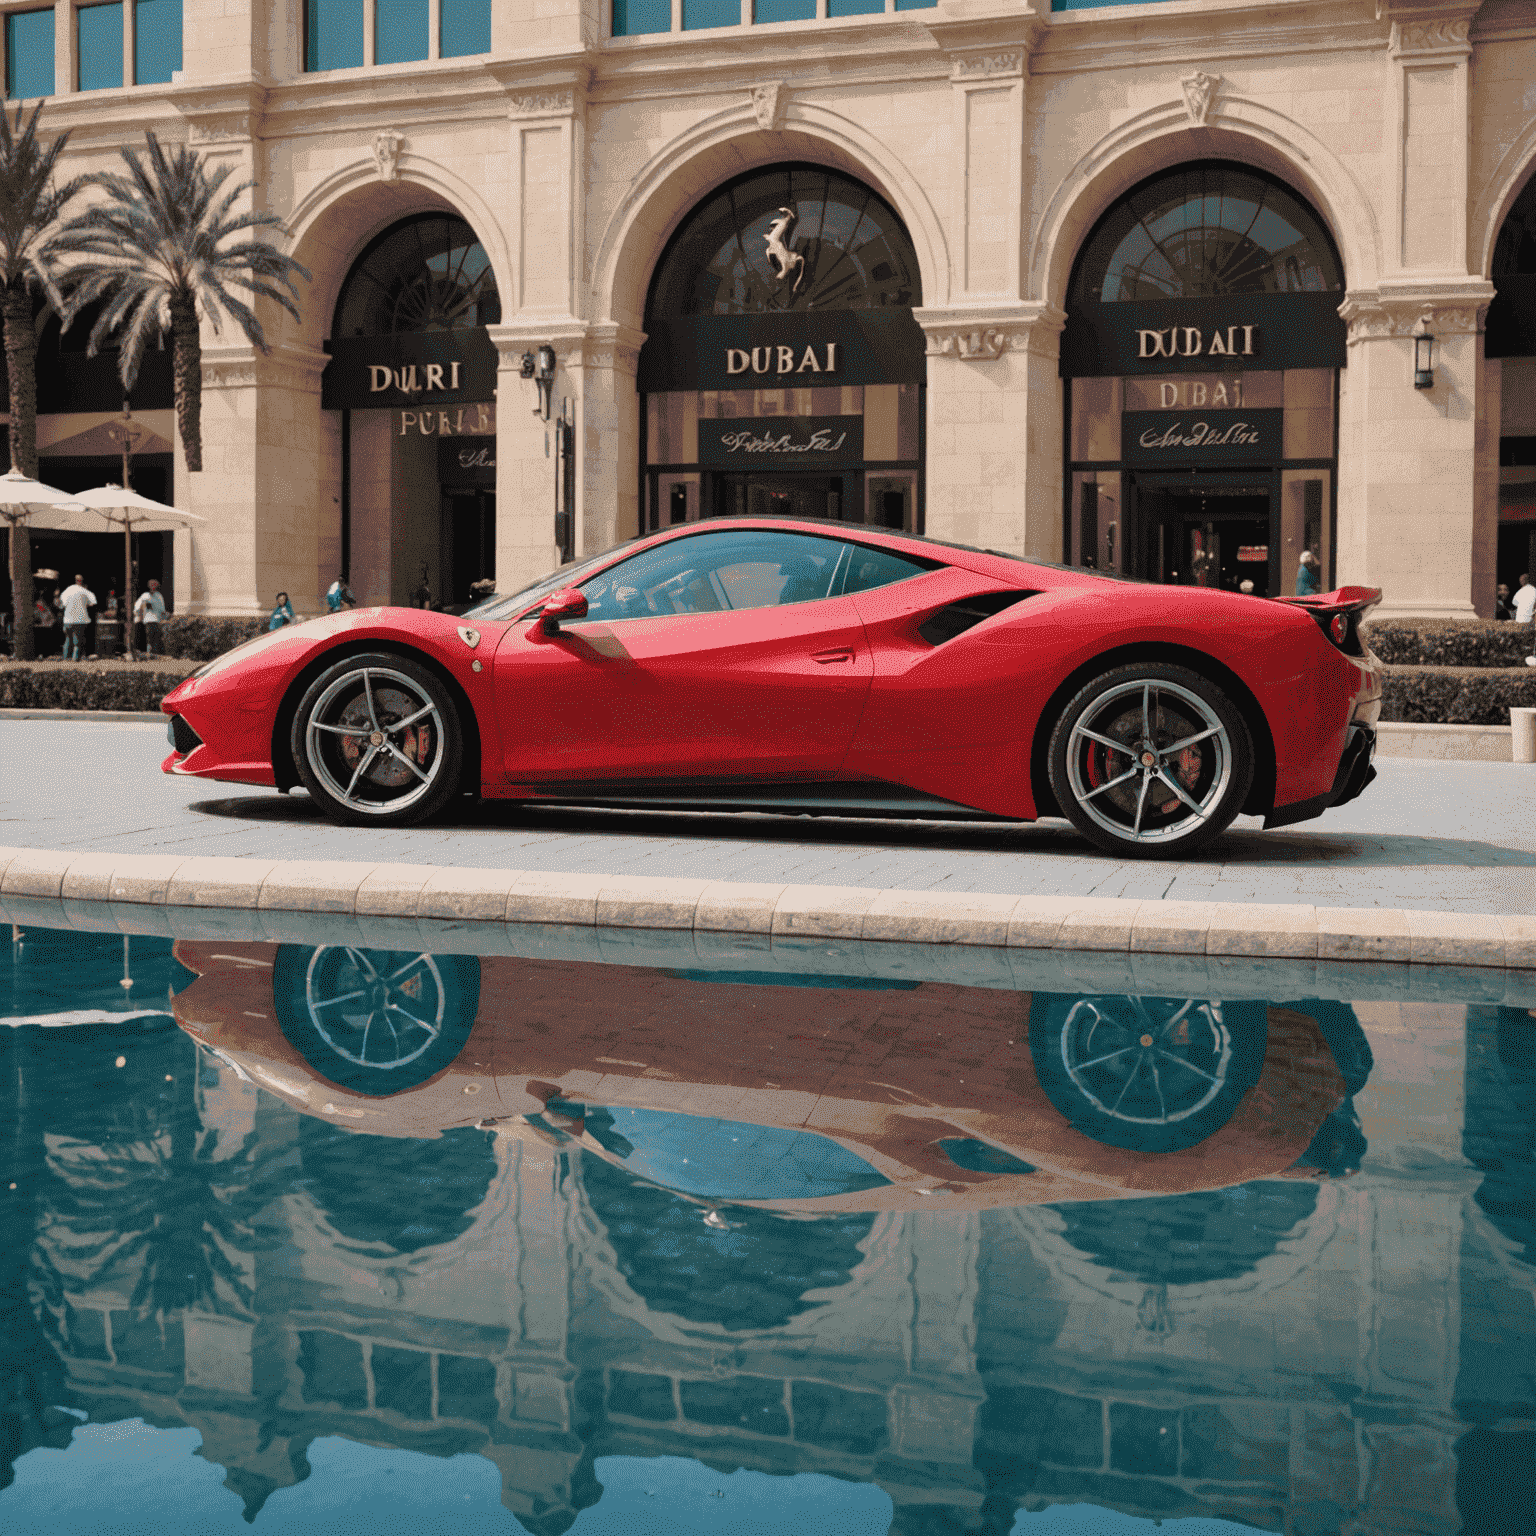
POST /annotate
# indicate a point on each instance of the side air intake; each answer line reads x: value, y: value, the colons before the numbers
x: 954, y: 620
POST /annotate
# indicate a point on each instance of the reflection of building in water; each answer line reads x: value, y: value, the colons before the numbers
x: 1324, y: 1355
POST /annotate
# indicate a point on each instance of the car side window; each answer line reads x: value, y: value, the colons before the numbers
x: 716, y: 573
x: 870, y: 568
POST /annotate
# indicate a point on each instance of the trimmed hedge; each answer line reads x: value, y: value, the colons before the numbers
x: 200, y: 638
x: 77, y: 685
x: 1456, y: 695
x: 1450, y: 642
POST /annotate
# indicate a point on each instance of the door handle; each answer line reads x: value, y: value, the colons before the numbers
x: 823, y: 657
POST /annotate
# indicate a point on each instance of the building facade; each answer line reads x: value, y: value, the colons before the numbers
x: 1178, y: 289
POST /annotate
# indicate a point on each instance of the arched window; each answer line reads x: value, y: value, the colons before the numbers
x: 793, y: 238
x: 1202, y: 231
x: 427, y: 273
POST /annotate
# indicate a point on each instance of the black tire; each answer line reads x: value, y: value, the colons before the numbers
x: 377, y: 742
x: 1116, y: 779
x: 410, y: 1014
x: 1094, y: 1062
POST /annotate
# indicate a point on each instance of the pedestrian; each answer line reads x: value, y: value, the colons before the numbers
x: 78, y: 601
x: 339, y: 595
x: 1502, y: 607
x: 1524, y: 602
x: 282, y: 613
x: 1306, y: 575
x: 149, y: 611
x: 43, y: 620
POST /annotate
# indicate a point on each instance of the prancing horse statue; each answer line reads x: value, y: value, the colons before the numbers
x: 784, y: 260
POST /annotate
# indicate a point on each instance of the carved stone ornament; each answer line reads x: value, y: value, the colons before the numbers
x: 544, y: 104
x: 768, y: 103
x: 1452, y: 32
x: 988, y: 66
x: 1373, y: 320
x: 219, y: 130
x: 1198, y: 90
x: 980, y: 344
x: 387, y: 144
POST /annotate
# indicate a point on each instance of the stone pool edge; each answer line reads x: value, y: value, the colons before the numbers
x: 776, y: 911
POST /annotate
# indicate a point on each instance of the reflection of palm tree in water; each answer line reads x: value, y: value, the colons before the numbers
x: 142, y: 1184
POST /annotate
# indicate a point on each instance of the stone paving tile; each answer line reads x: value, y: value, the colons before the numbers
x: 1458, y: 837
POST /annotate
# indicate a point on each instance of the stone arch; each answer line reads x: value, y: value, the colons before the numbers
x: 1163, y: 138
x: 723, y: 146
x: 336, y: 220
x: 1515, y: 170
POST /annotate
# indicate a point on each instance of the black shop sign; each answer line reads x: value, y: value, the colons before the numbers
x: 794, y: 350
x: 409, y: 370
x: 1220, y: 335
x: 1181, y: 439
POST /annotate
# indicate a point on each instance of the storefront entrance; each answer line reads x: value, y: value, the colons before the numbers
x: 783, y: 372
x: 469, y: 537
x: 1207, y: 535
x: 1201, y: 352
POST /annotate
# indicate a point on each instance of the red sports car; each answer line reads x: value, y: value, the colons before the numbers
x: 787, y: 664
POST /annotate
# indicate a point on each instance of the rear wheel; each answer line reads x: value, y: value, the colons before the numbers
x: 377, y: 741
x: 1150, y: 761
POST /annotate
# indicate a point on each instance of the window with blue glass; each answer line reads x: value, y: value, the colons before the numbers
x: 1084, y: 5
x: 633, y: 18
x: 915, y: 5
x: 785, y: 10
x: 710, y: 13
x: 399, y: 31
x: 465, y: 28
x: 333, y: 34
x: 156, y: 41
x: 29, y: 54
x: 857, y: 7
x: 99, y: 37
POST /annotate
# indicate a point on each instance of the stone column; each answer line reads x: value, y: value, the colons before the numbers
x: 608, y: 486
x: 994, y: 426
x: 1408, y: 458
x: 269, y: 486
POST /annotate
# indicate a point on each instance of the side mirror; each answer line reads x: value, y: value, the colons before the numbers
x: 566, y: 604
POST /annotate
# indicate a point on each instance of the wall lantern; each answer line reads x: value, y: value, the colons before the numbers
x: 540, y: 367
x: 1423, y: 357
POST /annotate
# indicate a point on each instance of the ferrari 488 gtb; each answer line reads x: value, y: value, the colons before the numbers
x: 777, y: 664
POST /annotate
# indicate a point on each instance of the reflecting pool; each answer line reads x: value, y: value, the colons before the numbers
x: 303, y: 1235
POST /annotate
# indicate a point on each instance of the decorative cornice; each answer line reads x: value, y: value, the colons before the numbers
x: 1381, y: 317
x: 1444, y: 35
x: 1199, y: 88
x: 610, y: 345
x: 987, y: 66
x: 543, y: 104
x: 284, y: 367
x: 984, y: 334
x: 769, y: 100
x: 223, y: 114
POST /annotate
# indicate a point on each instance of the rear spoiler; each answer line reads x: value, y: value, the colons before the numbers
x: 1339, y: 614
x: 1356, y: 600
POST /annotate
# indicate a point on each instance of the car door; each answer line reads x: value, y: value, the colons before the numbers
x: 721, y: 654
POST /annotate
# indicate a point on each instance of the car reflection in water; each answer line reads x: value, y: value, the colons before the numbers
x: 805, y: 1095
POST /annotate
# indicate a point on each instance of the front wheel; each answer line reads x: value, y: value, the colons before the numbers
x: 1150, y: 761
x: 377, y: 742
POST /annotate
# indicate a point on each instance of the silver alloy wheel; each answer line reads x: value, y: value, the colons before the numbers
x: 357, y: 996
x: 1132, y: 1058
x: 1149, y: 762
x: 374, y: 740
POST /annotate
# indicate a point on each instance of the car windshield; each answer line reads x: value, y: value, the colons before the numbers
x: 497, y: 606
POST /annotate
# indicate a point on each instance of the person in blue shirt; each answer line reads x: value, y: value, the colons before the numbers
x: 1306, y: 575
x: 339, y: 595
x: 282, y: 613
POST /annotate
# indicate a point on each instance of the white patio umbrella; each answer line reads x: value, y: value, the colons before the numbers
x: 135, y: 514
x: 22, y: 499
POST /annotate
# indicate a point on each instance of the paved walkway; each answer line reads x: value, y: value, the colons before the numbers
x: 1455, y: 837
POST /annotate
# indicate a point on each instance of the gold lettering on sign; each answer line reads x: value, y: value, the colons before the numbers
x: 1189, y: 341
x: 779, y: 360
x: 460, y: 421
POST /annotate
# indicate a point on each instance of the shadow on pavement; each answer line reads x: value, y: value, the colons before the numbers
x: 1242, y: 845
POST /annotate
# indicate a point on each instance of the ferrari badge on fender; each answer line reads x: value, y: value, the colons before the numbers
x: 470, y: 637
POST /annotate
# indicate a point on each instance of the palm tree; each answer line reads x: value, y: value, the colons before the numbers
x: 160, y: 251
x: 30, y: 205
